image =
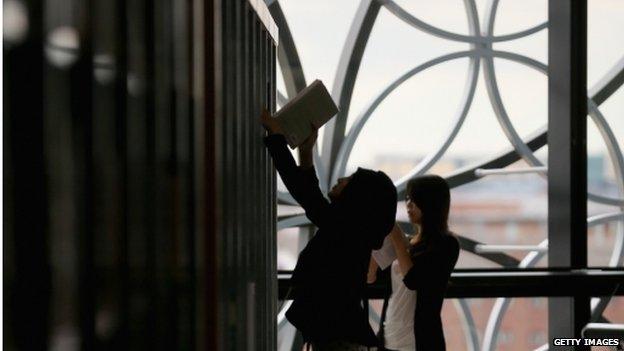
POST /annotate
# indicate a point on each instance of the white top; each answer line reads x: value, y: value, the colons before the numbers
x: 399, y: 324
x: 386, y: 254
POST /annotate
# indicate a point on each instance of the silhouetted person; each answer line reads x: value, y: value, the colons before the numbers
x: 422, y: 269
x: 330, y: 276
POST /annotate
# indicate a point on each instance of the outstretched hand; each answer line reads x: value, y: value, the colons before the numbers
x: 269, y: 123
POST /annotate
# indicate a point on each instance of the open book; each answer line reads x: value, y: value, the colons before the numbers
x: 313, y: 105
x: 386, y: 254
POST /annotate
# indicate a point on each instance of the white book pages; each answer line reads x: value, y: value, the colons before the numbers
x: 312, y: 106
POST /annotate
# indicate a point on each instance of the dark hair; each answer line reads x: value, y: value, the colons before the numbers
x: 368, y: 204
x: 432, y: 196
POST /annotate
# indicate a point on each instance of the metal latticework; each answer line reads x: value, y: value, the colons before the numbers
x: 339, y: 141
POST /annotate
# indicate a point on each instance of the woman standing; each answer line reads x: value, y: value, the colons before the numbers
x: 422, y: 269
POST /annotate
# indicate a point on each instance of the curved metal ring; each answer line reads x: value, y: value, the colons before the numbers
x: 512, y: 135
x: 293, y: 221
x: 484, y: 41
x: 408, y: 18
x: 615, y: 153
x: 502, y: 303
x: 344, y: 82
x: 606, y: 86
x: 472, y: 337
x: 356, y: 128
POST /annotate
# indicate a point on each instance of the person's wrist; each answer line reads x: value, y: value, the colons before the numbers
x: 395, y: 233
x: 393, y: 239
x: 305, y: 163
x: 305, y: 154
x: 304, y: 149
x: 396, y: 238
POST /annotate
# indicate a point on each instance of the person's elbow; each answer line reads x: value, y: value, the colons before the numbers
x: 315, y: 218
x: 320, y: 216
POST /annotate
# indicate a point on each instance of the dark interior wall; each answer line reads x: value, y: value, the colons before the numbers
x: 100, y: 185
x: 245, y: 203
x: 107, y: 187
x: 26, y: 269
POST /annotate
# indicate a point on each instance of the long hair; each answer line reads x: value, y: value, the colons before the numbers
x: 432, y: 196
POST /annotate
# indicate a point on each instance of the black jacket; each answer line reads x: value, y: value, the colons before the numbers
x: 429, y: 276
x: 330, y: 276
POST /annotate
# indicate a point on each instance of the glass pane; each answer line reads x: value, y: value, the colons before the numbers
x: 436, y: 104
x: 605, y: 138
x: 615, y: 310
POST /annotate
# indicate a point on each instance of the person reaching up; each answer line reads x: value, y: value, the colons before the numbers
x: 329, y: 279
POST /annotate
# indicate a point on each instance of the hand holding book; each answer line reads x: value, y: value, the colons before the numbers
x: 303, y: 114
x: 273, y: 126
x: 270, y: 124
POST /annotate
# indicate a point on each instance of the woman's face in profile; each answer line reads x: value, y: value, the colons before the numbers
x: 413, y: 212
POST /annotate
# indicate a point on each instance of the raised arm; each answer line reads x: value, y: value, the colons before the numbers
x: 402, y: 250
x: 306, y: 158
x: 301, y: 181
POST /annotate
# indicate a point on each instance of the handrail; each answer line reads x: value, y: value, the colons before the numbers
x: 603, y: 330
x: 512, y: 283
x: 482, y: 172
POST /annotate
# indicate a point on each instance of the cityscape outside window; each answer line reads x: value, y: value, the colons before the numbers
x: 486, y: 93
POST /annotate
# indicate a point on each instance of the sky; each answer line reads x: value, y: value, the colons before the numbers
x: 414, y: 119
